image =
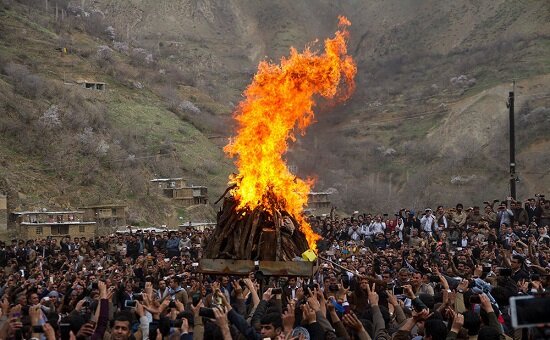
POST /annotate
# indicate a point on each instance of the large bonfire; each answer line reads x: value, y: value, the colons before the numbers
x: 266, y: 198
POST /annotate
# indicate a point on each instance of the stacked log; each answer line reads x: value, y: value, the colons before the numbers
x: 259, y: 234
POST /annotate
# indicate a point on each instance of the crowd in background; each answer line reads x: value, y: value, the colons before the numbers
x: 448, y: 273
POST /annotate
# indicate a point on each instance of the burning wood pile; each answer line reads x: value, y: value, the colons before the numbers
x: 262, y: 219
x: 255, y: 235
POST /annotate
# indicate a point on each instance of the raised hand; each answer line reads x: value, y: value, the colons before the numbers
x: 102, y: 290
x: 140, y: 310
x: 221, y: 317
x: 352, y: 322
x: 409, y: 292
x: 421, y: 316
x: 179, y: 306
x: 391, y: 298
x: 308, y: 314
x: 458, y: 322
x: 463, y: 285
x: 289, y: 318
x: 314, y: 303
x: 486, y: 303
x: 196, y: 308
x: 34, y: 314
x: 86, y: 330
x: 373, y: 296
x: 49, y: 332
x: 267, y: 294
x: 237, y: 289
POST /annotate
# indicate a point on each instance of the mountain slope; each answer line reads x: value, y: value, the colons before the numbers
x: 64, y: 146
x: 427, y: 124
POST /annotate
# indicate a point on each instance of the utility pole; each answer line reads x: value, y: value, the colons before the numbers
x: 510, y: 105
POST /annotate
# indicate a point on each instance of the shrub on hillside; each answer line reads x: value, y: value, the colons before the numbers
x: 24, y: 82
x: 50, y: 118
x: 141, y: 57
x: 187, y: 106
x: 121, y: 47
x: 104, y: 56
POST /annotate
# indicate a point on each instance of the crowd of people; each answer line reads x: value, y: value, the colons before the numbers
x: 448, y: 273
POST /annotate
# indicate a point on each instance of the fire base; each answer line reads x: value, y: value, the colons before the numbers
x: 255, y: 235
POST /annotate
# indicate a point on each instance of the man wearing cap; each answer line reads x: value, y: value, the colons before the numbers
x: 51, y: 301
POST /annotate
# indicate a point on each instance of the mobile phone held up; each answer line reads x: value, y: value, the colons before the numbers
x: 529, y: 311
x: 398, y: 290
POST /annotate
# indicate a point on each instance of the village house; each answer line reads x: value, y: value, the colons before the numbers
x: 318, y: 200
x: 92, y: 85
x: 109, y: 217
x: 43, y: 224
x: 178, y: 190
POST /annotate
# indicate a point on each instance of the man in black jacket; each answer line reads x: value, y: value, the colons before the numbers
x: 533, y: 211
x: 518, y: 269
x: 132, y: 247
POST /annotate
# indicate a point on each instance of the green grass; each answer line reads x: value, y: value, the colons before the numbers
x: 31, y: 24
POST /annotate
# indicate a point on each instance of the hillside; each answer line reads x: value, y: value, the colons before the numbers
x: 408, y: 54
x: 64, y: 146
x: 427, y: 124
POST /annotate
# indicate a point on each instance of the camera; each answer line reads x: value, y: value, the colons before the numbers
x: 38, y: 329
x: 313, y: 286
x: 435, y: 279
x: 398, y: 290
x: 207, y: 313
x: 94, y: 286
x: 64, y: 330
x: 137, y: 296
x: 475, y: 299
x: 130, y: 303
x: 172, y: 304
x: 529, y: 311
x: 277, y: 290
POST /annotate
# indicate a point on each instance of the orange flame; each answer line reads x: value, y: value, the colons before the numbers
x: 279, y: 99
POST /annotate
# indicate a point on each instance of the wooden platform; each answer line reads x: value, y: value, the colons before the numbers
x: 243, y: 267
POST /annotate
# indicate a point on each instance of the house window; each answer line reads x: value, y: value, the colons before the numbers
x: 39, y: 230
x: 81, y: 229
x: 59, y: 229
